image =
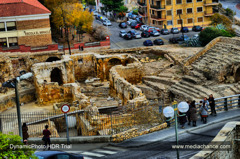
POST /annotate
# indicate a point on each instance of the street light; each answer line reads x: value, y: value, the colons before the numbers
x: 172, y: 113
x: 14, y: 84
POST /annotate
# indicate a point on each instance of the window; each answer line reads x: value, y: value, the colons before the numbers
x: 13, y: 41
x: 190, y: 20
x: 2, y: 27
x: 200, y: 19
x: 189, y: 10
x: 189, y: 1
x: 199, y: 9
x: 179, y: 21
x: 199, y: 0
x: 179, y: 11
x: 11, y: 26
x: 169, y: 22
x: 169, y: 12
x: 169, y: 2
x: 153, y: 12
x: 178, y: 1
x: 153, y: 21
x: 3, y: 42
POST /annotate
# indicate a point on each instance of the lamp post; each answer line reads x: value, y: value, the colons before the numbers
x: 172, y: 113
x: 14, y: 84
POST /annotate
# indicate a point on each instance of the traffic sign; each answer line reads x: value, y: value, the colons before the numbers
x: 65, y: 108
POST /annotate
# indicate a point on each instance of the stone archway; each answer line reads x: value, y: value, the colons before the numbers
x: 110, y: 64
x: 56, y: 76
x: 237, y: 75
x: 51, y: 59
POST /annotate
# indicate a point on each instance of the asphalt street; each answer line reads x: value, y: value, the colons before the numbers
x: 120, y: 43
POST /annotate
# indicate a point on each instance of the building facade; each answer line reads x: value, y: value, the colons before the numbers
x: 162, y: 13
x: 24, y: 22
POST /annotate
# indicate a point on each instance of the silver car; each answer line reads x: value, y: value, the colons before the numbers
x: 138, y: 36
x: 122, y: 33
x: 143, y: 27
x: 174, y: 30
x: 154, y: 33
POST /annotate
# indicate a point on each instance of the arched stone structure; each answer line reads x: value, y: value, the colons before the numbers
x: 51, y: 59
x: 237, y: 75
x: 112, y: 62
x: 56, y: 76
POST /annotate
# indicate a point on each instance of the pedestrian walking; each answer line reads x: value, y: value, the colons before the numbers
x: 204, y: 112
x: 188, y: 113
x: 182, y: 119
x: 25, y: 133
x: 193, y: 114
x: 212, y: 105
x: 46, y: 137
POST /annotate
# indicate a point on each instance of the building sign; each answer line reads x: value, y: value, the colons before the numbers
x: 30, y: 33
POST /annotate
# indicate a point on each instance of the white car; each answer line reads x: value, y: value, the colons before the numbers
x: 107, y: 23
x: 131, y: 21
x: 122, y: 33
x: 95, y: 13
x: 138, y: 36
x: 143, y: 27
x: 154, y: 33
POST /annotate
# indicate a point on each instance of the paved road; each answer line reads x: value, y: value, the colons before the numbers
x: 119, y: 43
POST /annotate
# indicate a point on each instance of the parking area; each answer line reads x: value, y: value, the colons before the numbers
x: 119, y: 42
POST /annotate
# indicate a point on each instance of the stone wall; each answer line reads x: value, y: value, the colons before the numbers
x: 120, y: 87
x: 229, y: 134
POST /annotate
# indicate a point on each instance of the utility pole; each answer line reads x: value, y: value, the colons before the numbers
x: 181, y: 26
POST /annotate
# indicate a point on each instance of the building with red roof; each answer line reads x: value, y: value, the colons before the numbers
x: 24, y: 22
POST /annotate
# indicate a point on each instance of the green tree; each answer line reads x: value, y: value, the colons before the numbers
x: 230, y: 13
x: 112, y: 5
x: 221, y: 19
x: 7, y: 150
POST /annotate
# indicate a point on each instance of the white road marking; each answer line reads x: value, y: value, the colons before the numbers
x: 106, y: 151
x: 115, y: 148
x: 92, y: 154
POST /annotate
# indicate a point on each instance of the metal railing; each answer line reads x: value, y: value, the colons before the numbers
x: 157, y: 6
x: 158, y: 17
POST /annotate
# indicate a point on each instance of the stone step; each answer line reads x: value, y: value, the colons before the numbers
x: 197, y: 74
x: 148, y: 91
x: 163, y: 80
x: 184, y: 96
x: 192, y: 79
x: 156, y: 86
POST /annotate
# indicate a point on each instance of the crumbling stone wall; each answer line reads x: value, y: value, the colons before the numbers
x: 120, y: 87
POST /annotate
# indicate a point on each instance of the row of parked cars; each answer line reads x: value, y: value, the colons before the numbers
x: 103, y: 19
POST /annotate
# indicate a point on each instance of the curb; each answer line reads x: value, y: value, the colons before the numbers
x: 172, y: 135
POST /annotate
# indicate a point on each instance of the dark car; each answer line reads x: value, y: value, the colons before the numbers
x: 183, y: 38
x: 128, y: 36
x: 57, y: 155
x: 148, y: 43
x: 133, y: 33
x: 133, y: 24
x: 123, y: 25
x: 158, y: 42
x: 184, y: 29
x: 164, y: 31
x: 145, y: 34
x: 197, y: 28
x: 173, y: 40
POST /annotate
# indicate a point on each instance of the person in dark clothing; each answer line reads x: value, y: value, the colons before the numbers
x: 193, y: 113
x: 182, y: 119
x: 212, y: 105
x: 25, y: 133
x: 200, y: 105
x: 188, y: 113
x: 46, y: 137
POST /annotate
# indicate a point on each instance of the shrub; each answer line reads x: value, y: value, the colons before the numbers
x: 220, y: 19
x: 100, y: 32
x: 6, y: 140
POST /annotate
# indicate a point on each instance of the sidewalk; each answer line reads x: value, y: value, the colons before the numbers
x: 170, y: 132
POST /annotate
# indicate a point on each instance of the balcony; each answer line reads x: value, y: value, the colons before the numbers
x: 142, y: 4
x: 211, y: 3
x: 158, y: 18
x: 142, y: 14
x: 207, y: 14
x: 157, y: 7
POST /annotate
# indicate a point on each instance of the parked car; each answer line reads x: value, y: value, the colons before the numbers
x: 183, y: 38
x: 145, y: 34
x: 107, y: 22
x: 197, y: 28
x: 131, y: 21
x: 133, y: 24
x: 122, y: 33
x: 164, y: 31
x: 148, y: 43
x: 149, y: 29
x: 138, y: 25
x: 158, y: 42
x: 128, y: 36
x: 173, y: 40
x: 154, y: 33
x: 157, y: 29
x: 133, y: 33
x: 57, y: 155
x: 138, y: 36
x: 174, y: 30
x: 143, y: 27
x: 95, y: 13
x: 102, y: 19
x: 122, y: 25
x: 184, y: 29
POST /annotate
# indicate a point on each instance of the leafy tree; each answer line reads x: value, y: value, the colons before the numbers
x: 220, y: 19
x: 122, y: 11
x: 7, y: 150
x: 100, y: 32
x: 135, y: 10
x: 230, y: 13
x: 210, y: 33
x: 112, y: 5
